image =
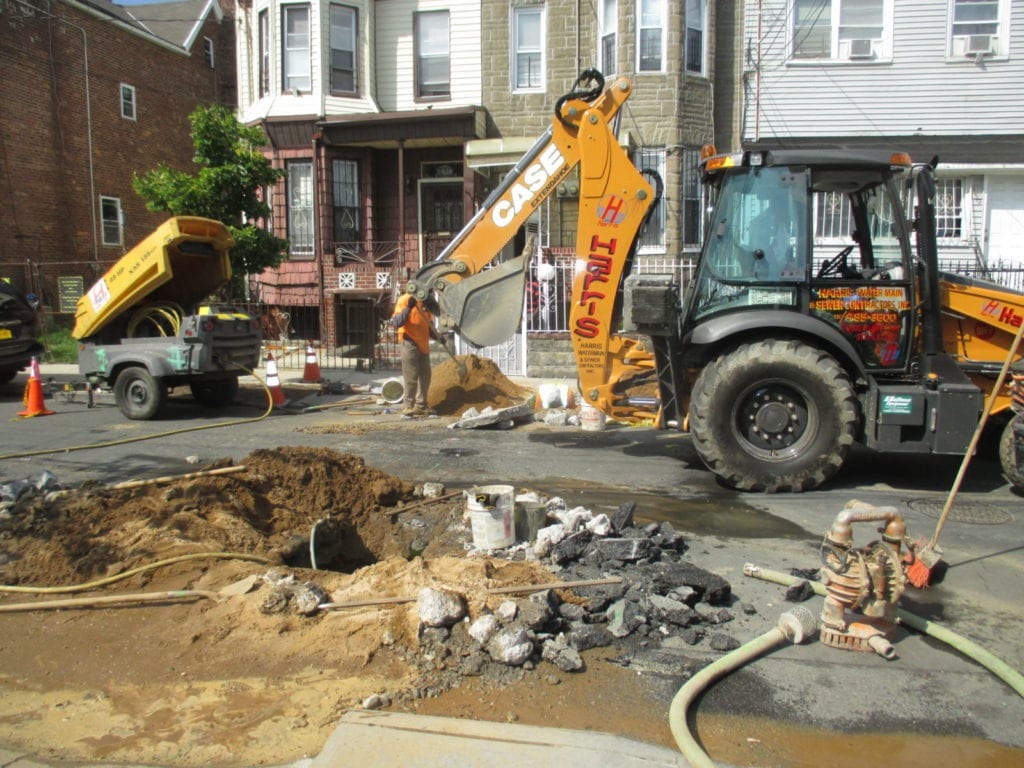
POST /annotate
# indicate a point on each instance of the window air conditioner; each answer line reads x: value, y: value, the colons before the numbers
x: 861, y: 49
x: 978, y: 44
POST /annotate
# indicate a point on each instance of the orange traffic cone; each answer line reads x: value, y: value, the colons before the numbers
x: 311, y: 373
x: 274, y: 383
x: 34, y: 399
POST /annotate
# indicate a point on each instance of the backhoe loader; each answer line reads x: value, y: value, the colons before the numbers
x: 777, y: 357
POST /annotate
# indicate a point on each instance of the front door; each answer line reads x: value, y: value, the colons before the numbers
x: 356, y: 327
x: 440, y: 215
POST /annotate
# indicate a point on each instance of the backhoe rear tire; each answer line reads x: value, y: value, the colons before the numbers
x: 1008, y: 456
x: 139, y: 394
x: 774, y: 416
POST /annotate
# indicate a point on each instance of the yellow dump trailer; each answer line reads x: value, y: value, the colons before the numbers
x: 182, y: 262
x: 148, y: 325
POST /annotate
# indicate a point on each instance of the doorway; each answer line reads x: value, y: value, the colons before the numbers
x: 440, y: 215
x: 355, y: 327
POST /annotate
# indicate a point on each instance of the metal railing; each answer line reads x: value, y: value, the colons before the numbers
x: 549, y: 288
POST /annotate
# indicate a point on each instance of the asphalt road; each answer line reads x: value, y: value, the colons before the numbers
x: 927, y: 689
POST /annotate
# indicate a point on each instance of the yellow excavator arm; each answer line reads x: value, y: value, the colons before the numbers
x: 484, y: 302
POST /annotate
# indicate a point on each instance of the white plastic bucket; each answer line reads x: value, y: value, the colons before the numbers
x: 591, y: 419
x: 392, y: 391
x: 492, y: 515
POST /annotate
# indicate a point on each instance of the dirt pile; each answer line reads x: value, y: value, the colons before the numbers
x: 452, y: 393
x: 96, y: 531
x: 225, y: 681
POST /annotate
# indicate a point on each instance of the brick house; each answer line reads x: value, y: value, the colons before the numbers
x: 367, y: 106
x: 93, y: 93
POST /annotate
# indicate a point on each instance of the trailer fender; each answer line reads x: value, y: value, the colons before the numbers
x: 711, y: 334
x: 161, y: 363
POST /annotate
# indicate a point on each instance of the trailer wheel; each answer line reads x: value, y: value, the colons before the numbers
x: 139, y: 394
x: 216, y: 393
x: 1013, y: 470
x: 774, y: 416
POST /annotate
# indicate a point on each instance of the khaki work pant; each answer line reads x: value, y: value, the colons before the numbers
x: 416, y: 375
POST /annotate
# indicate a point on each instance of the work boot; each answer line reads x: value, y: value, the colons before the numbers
x: 419, y: 410
x: 409, y: 412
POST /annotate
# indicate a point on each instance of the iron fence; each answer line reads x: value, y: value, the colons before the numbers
x: 295, y: 329
x: 549, y: 288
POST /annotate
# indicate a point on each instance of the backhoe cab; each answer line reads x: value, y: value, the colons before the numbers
x: 785, y: 352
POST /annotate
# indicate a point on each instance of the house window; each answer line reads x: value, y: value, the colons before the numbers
x: 296, y: 48
x: 299, y: 178
x: 609, y: 24
x: 652, y: 236
x: 128, y: 101
x: 263, y: 28
x: 650, y: 42
x: 345, y: 185
x: 433, y: 55
x: 528, y: 49
x: 812, y: 29
x: 845, y: 29
x: 208, y: 52
x: 975, y: 27
x: 110, y: 215
x: 693, y: 219
x: 833, y: 218
x: 344, y: 23
x: 949, y: 211
x: 695, y: 36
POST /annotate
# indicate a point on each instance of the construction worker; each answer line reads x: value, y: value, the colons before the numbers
x: 415, y: 324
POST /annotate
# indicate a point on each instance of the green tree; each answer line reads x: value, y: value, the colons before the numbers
x: 232, y: 172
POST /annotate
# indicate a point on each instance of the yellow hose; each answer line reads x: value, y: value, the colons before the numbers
x: 141, y: 569
x: 127, y: 440
x: 795, y: 625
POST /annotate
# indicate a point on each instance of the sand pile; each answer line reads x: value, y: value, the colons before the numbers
x: 483, y: 385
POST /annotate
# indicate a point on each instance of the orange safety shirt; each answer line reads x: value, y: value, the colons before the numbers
x: 417, y: 325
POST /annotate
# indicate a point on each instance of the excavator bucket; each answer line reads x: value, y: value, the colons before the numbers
x: 486, y: 308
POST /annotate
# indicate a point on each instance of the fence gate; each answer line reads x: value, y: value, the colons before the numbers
x: 509, y: 356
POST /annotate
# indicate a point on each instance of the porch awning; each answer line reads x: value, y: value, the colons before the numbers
x: 414, y: 128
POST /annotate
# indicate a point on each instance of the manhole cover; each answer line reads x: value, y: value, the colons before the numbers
x: 973, y: 512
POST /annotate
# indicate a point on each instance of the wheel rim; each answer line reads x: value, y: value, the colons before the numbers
x: 774, y: 420
x: 137, y: 393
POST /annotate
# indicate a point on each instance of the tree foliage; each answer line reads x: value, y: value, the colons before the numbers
x: 227, y: 187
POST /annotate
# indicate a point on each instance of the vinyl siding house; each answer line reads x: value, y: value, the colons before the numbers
x: 935, y: 78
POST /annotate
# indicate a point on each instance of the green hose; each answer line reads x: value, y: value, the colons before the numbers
x: 677, y: 718
x: 794, y: 626
x: 968, y: 648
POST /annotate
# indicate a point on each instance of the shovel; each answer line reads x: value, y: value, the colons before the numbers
x: 463, y: 372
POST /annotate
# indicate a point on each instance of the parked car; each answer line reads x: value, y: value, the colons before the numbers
x: 19, y: 332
